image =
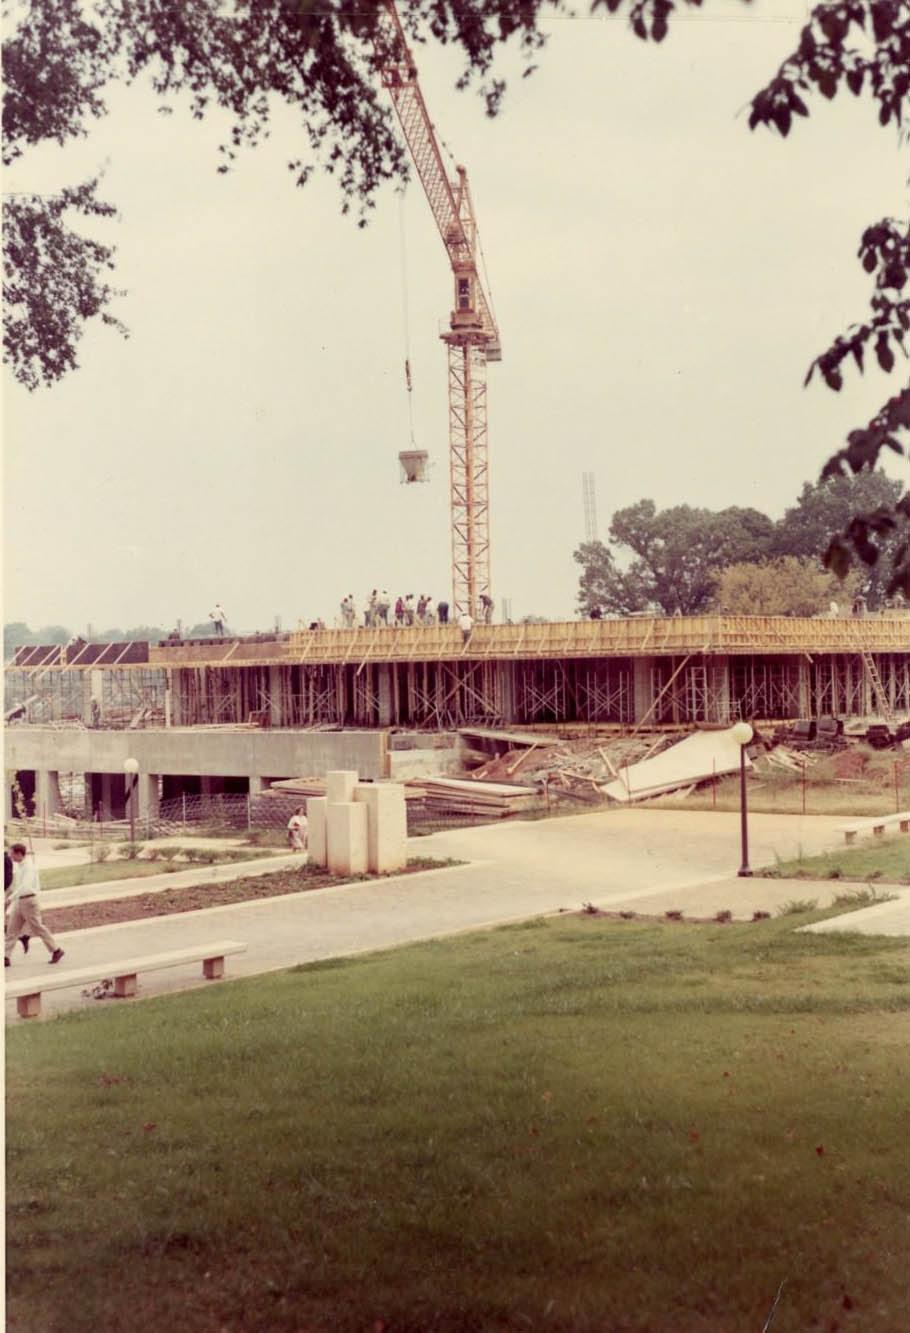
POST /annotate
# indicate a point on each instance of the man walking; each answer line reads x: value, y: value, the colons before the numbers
x: 24, y: 912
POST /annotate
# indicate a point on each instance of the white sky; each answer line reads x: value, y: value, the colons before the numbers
x: 662, y: 278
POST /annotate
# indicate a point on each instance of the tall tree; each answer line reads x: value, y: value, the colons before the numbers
x: 829, y: 506
x: 787, y: 586
x: 676, y: 555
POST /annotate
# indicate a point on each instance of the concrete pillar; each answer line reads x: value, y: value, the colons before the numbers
x: 147, y: 793
x: 387, y: 825
x: 384, y: 685
x: 316, y: 807
x: 718, y: 703
x: 47, y: 793
x: 642, y: 697
x: 257, y: 785
x: 106, y: 798
x: 346, y: 837
x: 174, y: 707
x: 805, y: 688
x: 509, y: 691
x: 339, y: 785
x: 275, y: 709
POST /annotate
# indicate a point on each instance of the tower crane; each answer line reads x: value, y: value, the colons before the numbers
x: 472, y: 338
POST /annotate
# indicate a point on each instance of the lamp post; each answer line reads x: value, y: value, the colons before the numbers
x: 131, y: 769
x: 742, y: 733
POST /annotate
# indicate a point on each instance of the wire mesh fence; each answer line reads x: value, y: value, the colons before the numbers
x: 225, y: 813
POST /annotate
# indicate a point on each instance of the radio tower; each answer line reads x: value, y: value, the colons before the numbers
x: 587, y: 491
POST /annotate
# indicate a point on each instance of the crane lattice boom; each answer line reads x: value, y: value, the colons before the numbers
x: 473, y: 337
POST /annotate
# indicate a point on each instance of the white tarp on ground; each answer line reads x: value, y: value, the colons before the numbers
x: 702, y: 755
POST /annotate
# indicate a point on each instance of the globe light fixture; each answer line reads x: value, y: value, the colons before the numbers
x: 742, y: 734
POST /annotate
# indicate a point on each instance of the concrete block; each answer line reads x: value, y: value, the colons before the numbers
x: 346, y: 838
x: 339, y: 786
x: 387, y: 825
x: 316, y: 807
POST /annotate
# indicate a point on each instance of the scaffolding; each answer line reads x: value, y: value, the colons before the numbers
x: 658, y: 670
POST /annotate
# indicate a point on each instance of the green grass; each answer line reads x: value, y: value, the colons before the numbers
x: 66, y: 877
x: 576, y: 1125
x: 885, y: 860
x: 770, y: 794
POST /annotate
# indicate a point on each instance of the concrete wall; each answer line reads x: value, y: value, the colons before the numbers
x: 199, y: 751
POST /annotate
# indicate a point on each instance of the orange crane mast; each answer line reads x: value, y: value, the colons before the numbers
x: 473, y: 337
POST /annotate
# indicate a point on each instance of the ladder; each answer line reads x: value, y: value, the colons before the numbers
x: 875, y: 682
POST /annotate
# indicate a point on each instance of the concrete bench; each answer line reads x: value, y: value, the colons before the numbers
x: 27, y: 992
x: 878, y: 824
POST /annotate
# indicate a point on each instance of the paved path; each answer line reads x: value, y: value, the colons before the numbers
x: 647, y: 861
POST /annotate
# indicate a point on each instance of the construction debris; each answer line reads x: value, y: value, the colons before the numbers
x: 703, y: 755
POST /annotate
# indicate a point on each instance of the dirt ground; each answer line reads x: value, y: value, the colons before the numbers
x: 167, y: 902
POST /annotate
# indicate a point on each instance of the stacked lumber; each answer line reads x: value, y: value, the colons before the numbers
x: 467, y: 796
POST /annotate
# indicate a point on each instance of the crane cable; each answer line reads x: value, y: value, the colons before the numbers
x: 404, y: 316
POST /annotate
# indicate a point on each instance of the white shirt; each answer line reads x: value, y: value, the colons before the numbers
x: 465, y: 622
x: 25, y: 878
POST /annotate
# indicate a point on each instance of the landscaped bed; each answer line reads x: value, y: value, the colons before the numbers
x: 194, y: 897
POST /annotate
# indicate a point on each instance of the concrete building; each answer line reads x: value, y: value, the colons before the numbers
x: 227, y: 715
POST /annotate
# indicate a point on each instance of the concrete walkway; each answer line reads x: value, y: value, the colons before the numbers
x: 649, y: 861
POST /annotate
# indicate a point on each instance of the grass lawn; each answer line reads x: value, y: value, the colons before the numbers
x: 102, y: 872
x: 577, y: 1125
x: 886, y: 860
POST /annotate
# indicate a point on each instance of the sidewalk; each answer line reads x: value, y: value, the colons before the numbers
x: 644, y: 861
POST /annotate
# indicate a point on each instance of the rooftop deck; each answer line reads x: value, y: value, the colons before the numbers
x: 638, y: 636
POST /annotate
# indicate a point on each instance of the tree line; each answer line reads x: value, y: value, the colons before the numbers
x: 689, y: 560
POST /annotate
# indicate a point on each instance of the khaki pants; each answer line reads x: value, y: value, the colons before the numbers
x: 24, y: 918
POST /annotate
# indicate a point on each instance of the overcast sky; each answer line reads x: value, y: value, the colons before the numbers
x: 662, y: 278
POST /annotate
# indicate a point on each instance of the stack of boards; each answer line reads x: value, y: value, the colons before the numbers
x: 468, y: 797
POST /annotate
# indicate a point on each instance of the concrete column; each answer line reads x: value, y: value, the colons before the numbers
x: 316, y: 807
x: 147, y: 793
x: 805, y: 688
x: 642, y: 697
x: 257, y: 785
x: 346, y: 840
x: 172, y: 679
x: 275, y: 709
x: 384, y: 683
x: 339, y: 785
x: 509, y: 692
x: 718, y: 689
x: 47, y: 793
x: 387, y: 825
x: 106, y: 797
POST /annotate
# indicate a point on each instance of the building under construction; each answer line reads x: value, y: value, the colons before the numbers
x: 641, y: 670
x: 236, y: 714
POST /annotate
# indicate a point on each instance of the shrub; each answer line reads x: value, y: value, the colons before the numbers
x: 101, y: 853
x: 795, y: 906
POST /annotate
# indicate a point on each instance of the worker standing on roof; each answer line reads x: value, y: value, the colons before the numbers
x: 217, y: 617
